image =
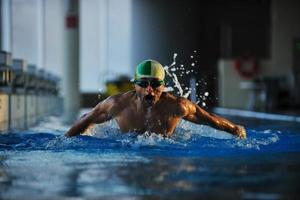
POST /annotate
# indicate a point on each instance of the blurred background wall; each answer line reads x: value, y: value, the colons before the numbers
x: 216, y: 40
x: 215, y: 29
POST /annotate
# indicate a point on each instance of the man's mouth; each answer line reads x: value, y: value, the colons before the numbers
x: 149, y: 98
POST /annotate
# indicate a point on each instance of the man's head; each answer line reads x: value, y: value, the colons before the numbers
x: 149, y: 81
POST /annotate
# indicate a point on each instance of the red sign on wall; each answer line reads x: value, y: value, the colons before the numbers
x: 72, y: 21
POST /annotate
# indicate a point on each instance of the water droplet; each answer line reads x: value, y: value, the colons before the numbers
x: 203, y: 104
x: 206, y: 94
x: 192, y: 56
x: 193, y: 64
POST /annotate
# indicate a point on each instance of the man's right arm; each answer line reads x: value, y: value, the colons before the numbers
x: 97, y: 115
x: 195, y: 114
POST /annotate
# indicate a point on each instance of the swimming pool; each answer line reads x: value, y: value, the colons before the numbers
x: 196, y: 162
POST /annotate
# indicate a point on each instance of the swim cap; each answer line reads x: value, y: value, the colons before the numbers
x: 149, y: 69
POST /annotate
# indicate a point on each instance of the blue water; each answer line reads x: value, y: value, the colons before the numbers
x: 197, y: 161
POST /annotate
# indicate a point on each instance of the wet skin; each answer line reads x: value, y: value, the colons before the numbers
x: 151, y: 109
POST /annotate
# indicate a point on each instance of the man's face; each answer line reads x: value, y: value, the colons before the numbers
x: 149, y: 90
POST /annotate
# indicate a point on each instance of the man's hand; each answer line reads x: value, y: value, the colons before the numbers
x: 241, y: 132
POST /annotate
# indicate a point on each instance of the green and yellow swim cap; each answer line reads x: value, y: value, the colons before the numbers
x: 149, y: 69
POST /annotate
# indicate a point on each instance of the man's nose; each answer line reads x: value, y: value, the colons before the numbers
x: 149, y: 89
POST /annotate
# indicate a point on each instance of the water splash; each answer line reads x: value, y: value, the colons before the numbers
x: 188, y: 139
x: 171, y: 72
x: 174, y: 70
x: 171, y: 68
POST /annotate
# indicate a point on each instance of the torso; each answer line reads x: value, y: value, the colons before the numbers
x: 161, y: 118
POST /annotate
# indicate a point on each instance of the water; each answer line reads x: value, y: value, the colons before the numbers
x: 197, y: 161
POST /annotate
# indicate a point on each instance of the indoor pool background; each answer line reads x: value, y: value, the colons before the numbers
x: 197, y: 161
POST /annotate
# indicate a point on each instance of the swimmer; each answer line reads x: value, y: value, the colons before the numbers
x: 149, y: 108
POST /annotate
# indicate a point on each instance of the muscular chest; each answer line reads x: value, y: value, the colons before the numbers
x: 158, y: 121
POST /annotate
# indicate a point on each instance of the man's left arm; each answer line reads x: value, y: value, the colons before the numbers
x: 195, y: 114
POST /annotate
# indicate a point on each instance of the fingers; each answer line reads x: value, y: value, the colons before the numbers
x: 242, y: 132
x: 242, y: 136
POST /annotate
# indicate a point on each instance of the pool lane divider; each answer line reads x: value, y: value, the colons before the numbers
x: 257, y: 115
x: 27, y: 93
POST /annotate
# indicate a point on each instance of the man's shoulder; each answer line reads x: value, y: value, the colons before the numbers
x: 122, y: 100
x: 168, y: 96
x: 178, y: 104
x: 172, y: 98
x: 116, y: 103
x: 117, y: 99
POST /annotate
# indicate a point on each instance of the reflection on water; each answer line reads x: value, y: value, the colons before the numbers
x: 76, y: 174
x: 5, y: 179
x: 196, y: 161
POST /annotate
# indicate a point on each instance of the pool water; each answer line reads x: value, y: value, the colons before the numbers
x: 197, y: 161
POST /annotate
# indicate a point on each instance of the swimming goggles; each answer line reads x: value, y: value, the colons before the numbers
x: 154, y: 83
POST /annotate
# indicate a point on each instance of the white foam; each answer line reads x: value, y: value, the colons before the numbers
x: 50, y: 123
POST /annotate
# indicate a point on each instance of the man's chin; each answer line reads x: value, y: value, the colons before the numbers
x: 149, y: 103
x: 149, y: 100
